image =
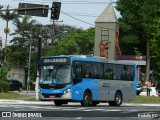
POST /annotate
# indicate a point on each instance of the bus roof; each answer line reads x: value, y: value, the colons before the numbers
x: 92, y: 58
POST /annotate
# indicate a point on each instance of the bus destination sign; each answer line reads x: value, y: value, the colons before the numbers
x: 55, y: 60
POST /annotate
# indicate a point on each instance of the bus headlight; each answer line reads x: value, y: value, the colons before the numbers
x: 66, y: 91
x: 40, y: 80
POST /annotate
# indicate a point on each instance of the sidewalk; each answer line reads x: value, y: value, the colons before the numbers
x: 9, y: 101
x: 29, y: 93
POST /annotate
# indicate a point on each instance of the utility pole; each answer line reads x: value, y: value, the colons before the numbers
x: 38, y: 66
x: 53, y: 30
x: 29, y: 63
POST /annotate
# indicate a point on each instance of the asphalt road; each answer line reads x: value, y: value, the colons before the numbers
x: 18, y: 109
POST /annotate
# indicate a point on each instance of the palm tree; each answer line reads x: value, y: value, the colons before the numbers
x: 24, y: 26
x: 22, y: 39
x: 8, y: 16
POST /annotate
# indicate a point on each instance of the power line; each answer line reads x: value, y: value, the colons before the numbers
x: 82, y: 14
x: 86, y: 22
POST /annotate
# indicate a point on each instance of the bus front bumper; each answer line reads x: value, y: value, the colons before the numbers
x: 44, y: 97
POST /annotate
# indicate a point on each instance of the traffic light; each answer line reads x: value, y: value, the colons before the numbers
x: 55, y: 10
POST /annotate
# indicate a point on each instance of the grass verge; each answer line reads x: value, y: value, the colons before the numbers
x: 16, y: 96
x: 145, y: 99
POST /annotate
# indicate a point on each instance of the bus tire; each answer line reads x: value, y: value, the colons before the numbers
x: 117, y: 100
x: 57, y: 103
x: 87, y: 99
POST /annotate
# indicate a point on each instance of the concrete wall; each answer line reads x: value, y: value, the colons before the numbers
x: 17, y: 74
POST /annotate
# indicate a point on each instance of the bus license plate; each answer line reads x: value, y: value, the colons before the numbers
x: 52, y: 96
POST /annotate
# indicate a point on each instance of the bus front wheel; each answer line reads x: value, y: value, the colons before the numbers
x: 87, y: 99
x: 117, y: 100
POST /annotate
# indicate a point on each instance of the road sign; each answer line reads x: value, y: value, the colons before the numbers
x: 33, y: 9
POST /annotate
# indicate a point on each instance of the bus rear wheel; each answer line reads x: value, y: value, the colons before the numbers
x: 87, y: 99
x: 117, y: 100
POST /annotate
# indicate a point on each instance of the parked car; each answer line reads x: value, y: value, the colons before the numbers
x: 15, y: 85
x: 153, y: 91
x: 139, y: 89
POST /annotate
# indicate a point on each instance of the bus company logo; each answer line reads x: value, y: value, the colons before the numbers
x: 6, y: 114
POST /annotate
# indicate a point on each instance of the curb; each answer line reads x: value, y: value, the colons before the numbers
x: 9, y: 101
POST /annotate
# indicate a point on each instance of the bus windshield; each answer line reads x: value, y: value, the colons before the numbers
x: 56, y: 74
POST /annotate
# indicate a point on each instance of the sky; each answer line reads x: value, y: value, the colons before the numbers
x: 77, y: 13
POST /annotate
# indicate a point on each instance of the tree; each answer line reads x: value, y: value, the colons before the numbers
x: 8, y: 16
x: 155, y: 51
x: 28, y: 30
x: 4, y: 86
x: 78, y: 42
x: 18, y: 52
x: 139, y: 17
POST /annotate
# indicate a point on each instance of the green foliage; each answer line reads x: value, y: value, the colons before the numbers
x: 139, y: 25
x: 28, y: 32
x: 131, y: 30
x: 4, y: 85
x: 155, y: 43
x: 78, y: 42
x: 3, y: 71
x: 137, y: 53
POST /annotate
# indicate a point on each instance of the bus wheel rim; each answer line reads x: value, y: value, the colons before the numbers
x: 118, y: 99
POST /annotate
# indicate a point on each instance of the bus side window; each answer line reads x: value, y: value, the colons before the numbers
x: 87, y: 74
x: 108, y: 71
x: 88, y: 70
x: 77, y: 72
x: 116, y: 72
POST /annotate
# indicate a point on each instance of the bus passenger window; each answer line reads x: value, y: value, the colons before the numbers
x: 77, y: 72
x: 87, y: 74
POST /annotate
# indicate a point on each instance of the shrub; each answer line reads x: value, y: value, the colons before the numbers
x: 4, y: 86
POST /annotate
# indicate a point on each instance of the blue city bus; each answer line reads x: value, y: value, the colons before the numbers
x: 88, y: 80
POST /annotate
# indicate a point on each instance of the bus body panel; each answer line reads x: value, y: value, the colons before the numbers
x: 80, y: 88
